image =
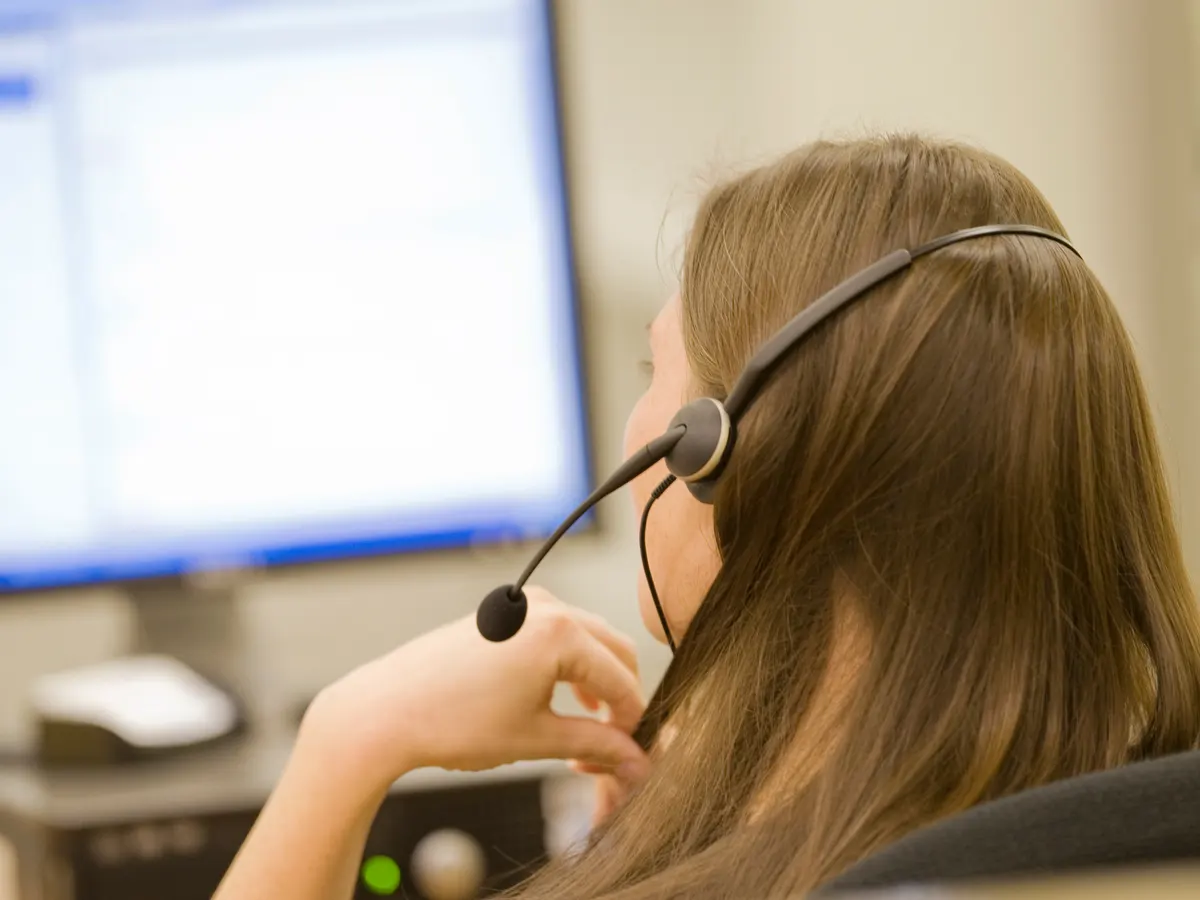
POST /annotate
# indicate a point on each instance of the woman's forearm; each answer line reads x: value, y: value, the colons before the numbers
x: 308, y: 841
x: 434, y: 702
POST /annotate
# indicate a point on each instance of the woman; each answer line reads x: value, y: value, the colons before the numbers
x: 939, y: 568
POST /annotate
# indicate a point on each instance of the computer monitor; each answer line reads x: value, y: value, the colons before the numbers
x: 280, y: 281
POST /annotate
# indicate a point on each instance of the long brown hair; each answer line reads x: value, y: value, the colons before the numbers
x: 961, y: 473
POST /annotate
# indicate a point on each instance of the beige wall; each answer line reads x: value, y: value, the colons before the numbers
x: 1090, y: 97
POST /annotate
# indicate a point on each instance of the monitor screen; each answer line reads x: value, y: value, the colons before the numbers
x: 280, y: 280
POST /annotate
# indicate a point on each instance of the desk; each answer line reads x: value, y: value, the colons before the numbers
x: 135, y: 816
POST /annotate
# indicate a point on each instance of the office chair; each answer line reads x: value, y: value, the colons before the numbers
x: 1146, y: 813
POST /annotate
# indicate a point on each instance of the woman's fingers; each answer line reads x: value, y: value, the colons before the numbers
x: 587, y: 768
x: 596, y: 744
x: 622, y: 646
x: 587, y: 663
x: 586, y: 700
x: 581, y: 767
x: 599, y: 662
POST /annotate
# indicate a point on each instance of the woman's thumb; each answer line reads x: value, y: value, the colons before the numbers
x: 591, y: 741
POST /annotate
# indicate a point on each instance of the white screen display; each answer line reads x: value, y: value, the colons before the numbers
x: 279, y: 281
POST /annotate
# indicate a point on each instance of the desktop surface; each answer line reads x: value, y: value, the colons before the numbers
x: 238, y: 775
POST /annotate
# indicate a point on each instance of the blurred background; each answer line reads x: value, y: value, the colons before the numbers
x: 1096, y: 100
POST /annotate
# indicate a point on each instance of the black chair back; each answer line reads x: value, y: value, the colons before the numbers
x: 1144, y: 813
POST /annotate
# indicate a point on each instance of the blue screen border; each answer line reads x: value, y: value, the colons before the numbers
x: 491, y: 529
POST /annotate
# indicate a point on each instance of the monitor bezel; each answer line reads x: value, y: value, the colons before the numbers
x: 384, y: 547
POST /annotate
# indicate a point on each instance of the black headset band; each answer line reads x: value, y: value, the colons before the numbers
x: 751, y: 381
x: 968, y: 234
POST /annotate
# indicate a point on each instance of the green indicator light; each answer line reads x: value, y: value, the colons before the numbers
x: 381, y: 875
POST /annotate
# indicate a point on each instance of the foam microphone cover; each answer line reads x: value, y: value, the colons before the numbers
x: 502, y: 613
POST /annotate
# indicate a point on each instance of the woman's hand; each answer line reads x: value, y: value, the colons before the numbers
x: 449, y: 699
x: 455, y: 700
x: 610, y: 790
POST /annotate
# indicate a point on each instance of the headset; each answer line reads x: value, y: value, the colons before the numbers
x: 699, y: 440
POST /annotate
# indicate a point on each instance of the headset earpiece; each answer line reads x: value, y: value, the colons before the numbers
x: 697, y: 444
x: 704, y: 447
